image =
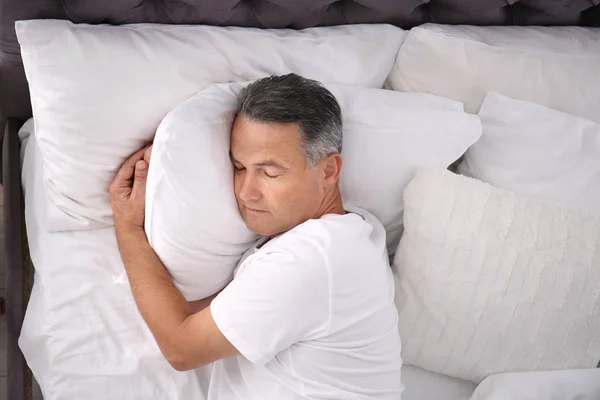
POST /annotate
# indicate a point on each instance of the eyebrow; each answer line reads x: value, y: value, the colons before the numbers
x: 269, y: 163
x: 266, y: 163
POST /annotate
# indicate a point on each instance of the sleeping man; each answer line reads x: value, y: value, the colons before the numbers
x: 310, y: 311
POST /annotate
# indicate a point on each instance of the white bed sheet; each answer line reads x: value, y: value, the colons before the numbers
x: 83, y: 337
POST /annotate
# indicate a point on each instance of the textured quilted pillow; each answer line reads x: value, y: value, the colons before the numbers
x: 553, y: 66
x: 192, y: 219
x: 489, y: 281
x: 98, y: 92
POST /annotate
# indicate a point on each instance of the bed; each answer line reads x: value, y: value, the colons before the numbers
x: 15, y: 106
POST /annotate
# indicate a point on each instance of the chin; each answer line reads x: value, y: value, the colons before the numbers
x: 262, y: 224
x: 260, y: 229
x: 255, y: 226
x: 261, y: 232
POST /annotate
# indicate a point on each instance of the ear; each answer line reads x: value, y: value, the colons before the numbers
x: 332, y: 168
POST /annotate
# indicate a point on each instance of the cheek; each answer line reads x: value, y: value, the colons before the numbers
x: 236, y: 185
x: 293, y: 194
x: 236, y: 182
x: 275, y: 193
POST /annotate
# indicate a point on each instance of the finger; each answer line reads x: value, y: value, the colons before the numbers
x: 125, y: 173
x: 135, y: 157
x: 148, y: 154
x: 139, y: 180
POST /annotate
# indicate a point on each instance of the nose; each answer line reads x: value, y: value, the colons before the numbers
x: 247, y: 186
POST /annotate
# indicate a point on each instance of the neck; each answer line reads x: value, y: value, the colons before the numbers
x: 332, y: 204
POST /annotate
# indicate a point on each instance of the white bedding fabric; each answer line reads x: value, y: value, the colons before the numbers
x: 83, y: 80
x: 537, y: 151
x: 83, y: 336
x: 490, y: 281
x: 553, y: 66
x: 577, y: 384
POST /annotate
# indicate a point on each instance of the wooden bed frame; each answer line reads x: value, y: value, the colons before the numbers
x: 15, y: 105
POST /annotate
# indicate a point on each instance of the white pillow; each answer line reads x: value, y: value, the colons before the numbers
x: 490, y: 281
x: 191, y: 216
x: 192, y: 220
x: 99, y: 92
x: 554, y: 66
x: 537, y: 151
x: 426, y: 385
x: 582, y: 384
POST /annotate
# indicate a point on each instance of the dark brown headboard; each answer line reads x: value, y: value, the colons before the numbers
x: 14, y: 94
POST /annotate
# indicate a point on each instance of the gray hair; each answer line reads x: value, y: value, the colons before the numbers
x: 292, y: 98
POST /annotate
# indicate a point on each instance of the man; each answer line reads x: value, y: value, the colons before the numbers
x: 310, y: 311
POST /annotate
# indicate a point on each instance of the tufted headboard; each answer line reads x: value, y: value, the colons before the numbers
x: 297, y: 14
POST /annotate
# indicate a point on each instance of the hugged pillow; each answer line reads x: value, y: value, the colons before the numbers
x: 578, y: 384
x: 192, y: 218
x: 98, y: 92
x: 537, y: 151
x: 553, y: 66
x: 489, y: 281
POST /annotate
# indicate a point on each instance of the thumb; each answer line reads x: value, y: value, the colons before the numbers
x: 139, y: 178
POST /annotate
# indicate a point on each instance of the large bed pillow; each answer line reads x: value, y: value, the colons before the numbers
x: 98, y: 92
x: 538, y: 151
x: 553, y: 66
x: 192, y: 220
x: 489, y: 281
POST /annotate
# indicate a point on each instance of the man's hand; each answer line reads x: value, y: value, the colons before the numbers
x: 128, y: 191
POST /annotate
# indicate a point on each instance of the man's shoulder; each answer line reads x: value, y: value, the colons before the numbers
x: 302, y: 243
x: 318, y: 238
x: 296, y: 253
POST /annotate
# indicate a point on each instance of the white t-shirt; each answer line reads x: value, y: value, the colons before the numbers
x: 312, y: 314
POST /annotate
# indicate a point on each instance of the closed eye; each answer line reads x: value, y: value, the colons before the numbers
x: 271, y: 176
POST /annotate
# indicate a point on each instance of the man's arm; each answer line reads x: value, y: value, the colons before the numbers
x: 199, y: 305
x: 188, y: 339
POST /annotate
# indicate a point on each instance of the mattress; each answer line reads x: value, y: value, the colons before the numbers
x: 83, y: 337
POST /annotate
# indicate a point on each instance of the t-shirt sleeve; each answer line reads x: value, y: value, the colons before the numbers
x: 278, y: 299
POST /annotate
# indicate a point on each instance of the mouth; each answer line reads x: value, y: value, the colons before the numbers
x: 254, y: 210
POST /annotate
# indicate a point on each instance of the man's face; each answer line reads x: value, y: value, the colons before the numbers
x: 274, y: 188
